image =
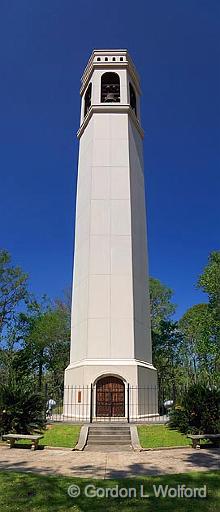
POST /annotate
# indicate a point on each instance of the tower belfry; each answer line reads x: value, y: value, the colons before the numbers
x: 110, y: 324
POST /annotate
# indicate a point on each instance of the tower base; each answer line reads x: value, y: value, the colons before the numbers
x: 113, y: 389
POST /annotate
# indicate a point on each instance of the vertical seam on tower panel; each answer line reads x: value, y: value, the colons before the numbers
x: 89, y: 244
x: 132, y: 272
x: 110, y: 241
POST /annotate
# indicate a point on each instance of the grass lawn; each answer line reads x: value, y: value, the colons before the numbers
x: 157, y: 436
x: 62, y: 435
x: 25, y: 492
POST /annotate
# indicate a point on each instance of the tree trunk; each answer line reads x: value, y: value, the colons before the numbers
x: 40, y: 369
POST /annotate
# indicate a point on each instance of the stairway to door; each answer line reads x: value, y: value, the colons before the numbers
x: 109, y: 437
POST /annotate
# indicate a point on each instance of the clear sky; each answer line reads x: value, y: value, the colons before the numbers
x: 44, y: 46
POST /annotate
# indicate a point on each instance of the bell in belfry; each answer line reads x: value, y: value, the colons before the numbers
x: 110, y: 88
x: 110, y: 97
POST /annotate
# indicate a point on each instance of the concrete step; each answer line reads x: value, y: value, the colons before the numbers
x: 112, y: 431
x: 108, y: 448
x: 107, y: 442
x: 109, y: 438
x: 109, y: 433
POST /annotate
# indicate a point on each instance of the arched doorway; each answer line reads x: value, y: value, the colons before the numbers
x: 110, y: 397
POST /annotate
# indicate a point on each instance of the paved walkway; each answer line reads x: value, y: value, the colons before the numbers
x: 108, y: 465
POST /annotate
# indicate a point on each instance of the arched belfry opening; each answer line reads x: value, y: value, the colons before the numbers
x: 87, y: 101
x: 110, y: 88
x: 133, y: 101
x: 110, y: 397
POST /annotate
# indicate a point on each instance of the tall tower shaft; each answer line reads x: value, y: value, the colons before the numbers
x: 110, y: 332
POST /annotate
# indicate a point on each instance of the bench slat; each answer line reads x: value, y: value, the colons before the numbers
x: 203, y: 436
x: 20, y: 436
x: 196, y: 438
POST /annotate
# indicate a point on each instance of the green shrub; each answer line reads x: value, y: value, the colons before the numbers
x: 198, y: 411
x: 179, y: 419
x: 21, y: 407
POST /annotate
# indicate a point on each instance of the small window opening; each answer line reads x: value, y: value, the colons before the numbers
x: 121, y: 58
x: 88, y: 95
x: 106, y: 58
x: 98, y: 58
x: 113, y: 58
x: 133, y: 102
x: 110, y: 88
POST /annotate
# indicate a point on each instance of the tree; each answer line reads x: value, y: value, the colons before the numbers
x: 198, y: 410
x: 209, y: 282
x: 47, y: 340
x: 13, y: 297
x: 22, y: 407
x: 166, y: 346
x: 35, y: 334
x: 161, y: 307
x: 198, y: 350
x: 165, y: 338
x: 13, y: 289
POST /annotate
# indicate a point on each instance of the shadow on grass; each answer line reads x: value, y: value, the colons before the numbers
x: 25, y: 492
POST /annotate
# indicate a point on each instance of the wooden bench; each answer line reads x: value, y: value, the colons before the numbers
x: 34, y: 438
x: 196, y: 438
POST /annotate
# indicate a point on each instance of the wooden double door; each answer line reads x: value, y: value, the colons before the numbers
x: 110, y: 397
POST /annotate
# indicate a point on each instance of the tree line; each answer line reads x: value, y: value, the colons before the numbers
x: 187, y: 351
x: 35, y: 334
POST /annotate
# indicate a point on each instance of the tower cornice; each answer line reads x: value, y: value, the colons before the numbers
x: 108, y: 109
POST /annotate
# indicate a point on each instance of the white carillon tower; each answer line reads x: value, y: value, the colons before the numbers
x: 110, y: 333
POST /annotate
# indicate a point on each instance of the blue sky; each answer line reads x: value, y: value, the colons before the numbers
x: 44, y: 47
